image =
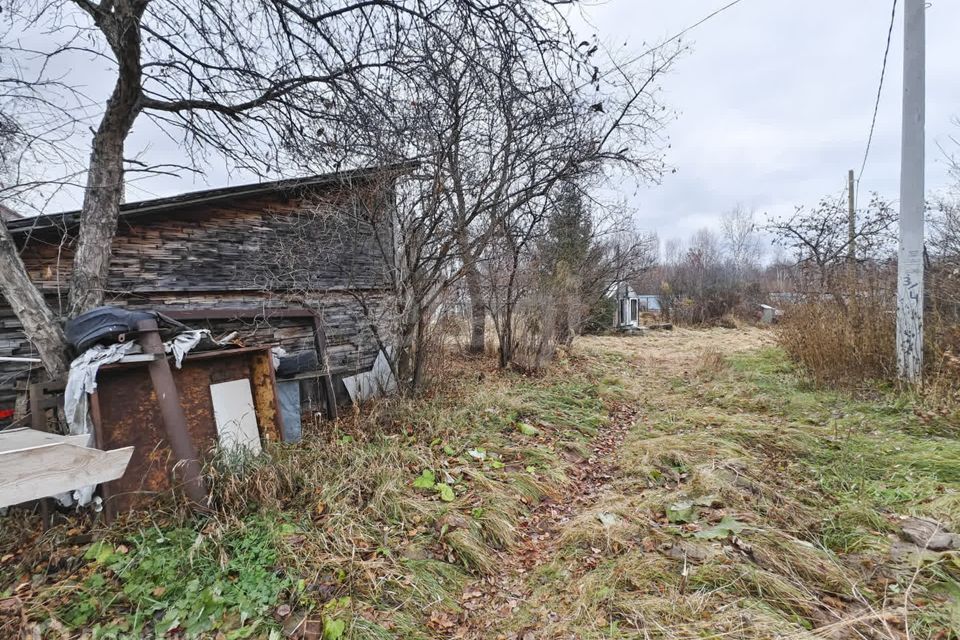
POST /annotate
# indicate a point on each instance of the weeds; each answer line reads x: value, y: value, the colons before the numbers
x: 744, y: 503
x: 364, y: 530
x: 167, y: 579
x: 751, y: 504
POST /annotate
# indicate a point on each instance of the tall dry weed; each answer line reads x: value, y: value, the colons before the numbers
x: 847, y: 343
x: 842, y: 344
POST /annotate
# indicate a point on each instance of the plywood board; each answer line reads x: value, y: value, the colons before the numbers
x: 49, y: 469
x: 235, y: 415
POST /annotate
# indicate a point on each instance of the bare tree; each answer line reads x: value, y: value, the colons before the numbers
x: 819, y: 240
x: 741, y: 239
x: 497, y: 120
x: 239, y: 79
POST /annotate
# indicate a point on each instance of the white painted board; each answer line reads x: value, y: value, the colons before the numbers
x: 379, y: 381
x: 236, y: 416
x: 46, y: 470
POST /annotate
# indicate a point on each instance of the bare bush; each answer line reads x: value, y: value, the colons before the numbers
x: 843, y: 346
x: 822, y: 246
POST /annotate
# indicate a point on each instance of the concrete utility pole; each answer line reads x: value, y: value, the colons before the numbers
x: 910, y: 257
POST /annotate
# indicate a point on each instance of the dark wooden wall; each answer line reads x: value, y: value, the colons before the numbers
x: 261, y: 254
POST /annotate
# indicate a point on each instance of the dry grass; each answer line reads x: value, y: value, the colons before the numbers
x: 743, y: 438
x: 354, y: 523
x: 842, y: 345
x: 853, y: 347
x: 744, y: 503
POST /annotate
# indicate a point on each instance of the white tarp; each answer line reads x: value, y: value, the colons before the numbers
x: 184, y: 343
x: 81, y: 382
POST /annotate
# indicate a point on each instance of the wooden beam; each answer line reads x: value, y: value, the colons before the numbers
x: 174, y: 420
x: 320, y: 341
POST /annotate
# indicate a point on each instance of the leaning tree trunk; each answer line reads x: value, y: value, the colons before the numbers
x: 101, y: 208
x: 39, y: 322
x: 101, y: 199
x: 101, y: 203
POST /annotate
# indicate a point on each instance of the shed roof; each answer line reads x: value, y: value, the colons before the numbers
x: 7, y: 214
x: 170, y: 203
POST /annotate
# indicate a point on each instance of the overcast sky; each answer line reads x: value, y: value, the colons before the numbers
x: 773, y: 105
x: 776, y: 98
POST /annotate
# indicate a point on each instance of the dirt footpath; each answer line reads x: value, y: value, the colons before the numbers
x: 499, y: 606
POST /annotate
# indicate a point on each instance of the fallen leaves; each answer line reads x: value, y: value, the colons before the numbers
x: 488, y: 603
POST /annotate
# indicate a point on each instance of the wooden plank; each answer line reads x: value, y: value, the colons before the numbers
x: 174, y: 419
x: 40, y: 472
x: 15, y: 439
x: 267, y: 404
x: 320, y: 342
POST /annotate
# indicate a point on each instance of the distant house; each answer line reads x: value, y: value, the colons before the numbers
x: 630, y: 305
x: 768, y: 314
x: 274, y: 263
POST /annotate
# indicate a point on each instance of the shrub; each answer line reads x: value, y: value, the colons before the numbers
x: 848, y: 343
x: 842, y: 344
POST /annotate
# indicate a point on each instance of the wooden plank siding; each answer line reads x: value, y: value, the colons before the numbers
x: 259, y: 253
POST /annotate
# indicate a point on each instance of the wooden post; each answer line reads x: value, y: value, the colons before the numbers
x: 320, y: 341
x: 174, y: 420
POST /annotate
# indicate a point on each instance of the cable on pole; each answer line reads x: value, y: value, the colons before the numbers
x: 876, y: 106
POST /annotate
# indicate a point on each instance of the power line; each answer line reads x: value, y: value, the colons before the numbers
x: 676, y: 36
x: 876, y: 106
x: 680, y: 34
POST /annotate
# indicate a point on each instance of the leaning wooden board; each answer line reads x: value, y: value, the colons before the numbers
x: 36, y: 465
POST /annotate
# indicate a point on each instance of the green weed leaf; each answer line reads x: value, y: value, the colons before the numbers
x: 527, y: 429
x: 445, y: 491
x: 426, y: 480
x: 333, y: 629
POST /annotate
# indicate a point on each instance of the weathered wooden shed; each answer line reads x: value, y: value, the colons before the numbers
x: 302, y: 264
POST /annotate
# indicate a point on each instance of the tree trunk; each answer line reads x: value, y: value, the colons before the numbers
x: 101, y: 208
x: 420, y: 355
x: 478, y: 314
x: 506, y: 338
x: 104, y: 191
x: 39, y: 323
x: 101, y: 202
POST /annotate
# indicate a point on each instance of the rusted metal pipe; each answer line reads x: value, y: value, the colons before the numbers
x: 174, y: 420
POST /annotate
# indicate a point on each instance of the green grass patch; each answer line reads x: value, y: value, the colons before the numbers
x: 179, y: 579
